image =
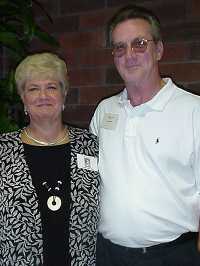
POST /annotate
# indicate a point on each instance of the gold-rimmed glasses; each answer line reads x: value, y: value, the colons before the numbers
x: 138, y: 45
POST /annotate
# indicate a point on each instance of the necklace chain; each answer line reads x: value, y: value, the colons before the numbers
x: 43, y: 143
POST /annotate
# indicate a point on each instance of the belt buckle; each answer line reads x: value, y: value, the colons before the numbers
x: 144, y: 250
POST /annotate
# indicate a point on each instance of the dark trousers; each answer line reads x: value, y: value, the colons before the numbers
x: 180, y: 252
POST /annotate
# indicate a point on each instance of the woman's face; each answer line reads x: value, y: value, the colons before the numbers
x: 43, y: 99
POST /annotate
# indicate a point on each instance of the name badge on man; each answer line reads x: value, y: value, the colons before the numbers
x: 110, y: 121
x: 87, y: 162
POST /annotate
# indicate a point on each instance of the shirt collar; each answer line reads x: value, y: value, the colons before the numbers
x: 158, y: 102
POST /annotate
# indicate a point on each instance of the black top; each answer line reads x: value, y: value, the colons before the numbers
x: 51, y: 164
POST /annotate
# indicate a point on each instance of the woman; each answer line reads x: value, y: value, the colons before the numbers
x: 48, y: 176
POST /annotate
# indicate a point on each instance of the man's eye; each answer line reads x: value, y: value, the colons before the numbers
x: 119, y: 47
x: 139, y: 43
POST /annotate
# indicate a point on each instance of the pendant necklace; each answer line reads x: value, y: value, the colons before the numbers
x: 54, y: 202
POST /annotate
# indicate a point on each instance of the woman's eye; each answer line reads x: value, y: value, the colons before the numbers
x: 32, y: 88
x: 52, y: 88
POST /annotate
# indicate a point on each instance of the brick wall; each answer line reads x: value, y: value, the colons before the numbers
x: 79, y: 25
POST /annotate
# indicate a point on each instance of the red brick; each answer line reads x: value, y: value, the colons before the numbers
x: 85, y: 77
x: 185, y: 72
x: 195, y: 51
x: 182, y: 31
x: 111, y: 3
x: 95, y: 57
x: 72, y: 96
x: 175, y: 51
x: 168, y: 12
x: 78, y: 114
x: 193, y: 10
x: 80, y: 5
x: 60, y: 24
x: 95, y: 19
x: 39, y: 46
x: 83, y: 39
x: 92, y: 95
x: 70, y: 56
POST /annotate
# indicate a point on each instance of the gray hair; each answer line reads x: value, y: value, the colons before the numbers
x: 135, y: 12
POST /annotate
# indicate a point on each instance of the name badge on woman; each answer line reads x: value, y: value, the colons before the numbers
x: 87, y: 162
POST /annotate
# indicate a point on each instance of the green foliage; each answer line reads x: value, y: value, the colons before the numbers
x: 6, y: 123
x: 18, y: 27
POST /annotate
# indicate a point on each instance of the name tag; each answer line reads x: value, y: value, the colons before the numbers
x: 87, y: 162
x: 110, y: 121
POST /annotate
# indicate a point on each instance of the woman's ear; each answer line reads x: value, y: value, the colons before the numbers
x: 22, y: 97
x: 25, y: 110
x: 64, y: 99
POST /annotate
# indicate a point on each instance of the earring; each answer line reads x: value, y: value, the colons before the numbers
x: 25, y: 110
x: 63, y: 107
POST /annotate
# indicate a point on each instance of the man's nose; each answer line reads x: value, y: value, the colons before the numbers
x: 130, y: 51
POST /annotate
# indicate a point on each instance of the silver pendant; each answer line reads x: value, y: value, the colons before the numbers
x: 54, y: 203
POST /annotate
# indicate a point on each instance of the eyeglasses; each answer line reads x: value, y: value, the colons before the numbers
x: 137, y: 45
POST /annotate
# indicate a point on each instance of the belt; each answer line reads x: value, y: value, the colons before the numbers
x: 163, y: 246
x: 180, y: 240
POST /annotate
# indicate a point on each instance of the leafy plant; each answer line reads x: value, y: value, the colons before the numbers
x: 18, y: 28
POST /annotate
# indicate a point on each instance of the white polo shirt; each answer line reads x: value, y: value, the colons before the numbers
x: 149, y: 163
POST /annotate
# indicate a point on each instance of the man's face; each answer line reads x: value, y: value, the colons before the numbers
x: 133, y: 66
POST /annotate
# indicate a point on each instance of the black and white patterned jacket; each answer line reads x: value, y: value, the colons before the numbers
x: 20, y: 219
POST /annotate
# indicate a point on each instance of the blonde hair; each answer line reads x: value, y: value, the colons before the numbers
x: 41, y: 66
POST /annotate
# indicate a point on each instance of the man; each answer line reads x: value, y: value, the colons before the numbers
x: 149, y: 155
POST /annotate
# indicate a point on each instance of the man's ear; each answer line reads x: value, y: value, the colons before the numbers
x: 159, y: 50
x: 65, y: 95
